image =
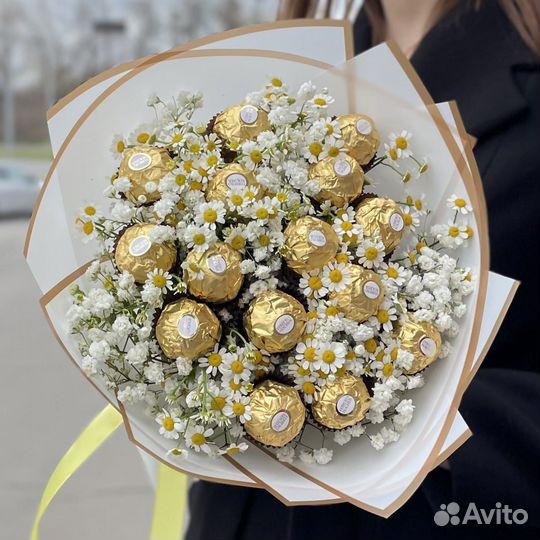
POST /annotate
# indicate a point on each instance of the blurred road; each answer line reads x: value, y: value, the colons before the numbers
x: 45, y: 403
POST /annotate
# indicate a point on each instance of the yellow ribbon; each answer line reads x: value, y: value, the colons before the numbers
x: 171, y: 495
x: 93, y: 436
x: 170, y: 505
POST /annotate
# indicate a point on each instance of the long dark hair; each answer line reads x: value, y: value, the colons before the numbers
x: 524, y: 15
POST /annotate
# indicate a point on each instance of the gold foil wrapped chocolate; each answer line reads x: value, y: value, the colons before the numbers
x: 310, y: 243
x: 362, y: 297
x: 360, y: 136
x: 137, y: 254
x: 188, y: 329
x: 240, y: 123
x: 275, y: 321
x: 143, y: 164
x: 423, y: 341
x: 230, y: 177
x: 217, y: 270
x: 341, y: 180
x: 384, y: 218
x: 277, y: 414
x: 342, y: 403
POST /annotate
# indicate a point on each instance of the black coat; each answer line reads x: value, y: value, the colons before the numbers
x: 478, y: 59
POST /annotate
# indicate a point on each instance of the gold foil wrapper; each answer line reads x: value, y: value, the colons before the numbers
x: 143, y: 164
x: 241, y: 123
x: 277, y: 414
x: 362, y: 297
x: 423, y: 341
x: 136, y: 254
x: 384, y: 218
x: 342, y: 403
x: 275, y: 321
x: 220, y: 266
x: 310, y: 243
x: 360, y: 136
x: 188, y: 329
x: 230, y: 177
x: 341, y: 180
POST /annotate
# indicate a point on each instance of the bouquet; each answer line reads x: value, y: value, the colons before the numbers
x: 280, y: 268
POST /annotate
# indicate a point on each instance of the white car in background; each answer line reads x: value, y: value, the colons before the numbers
x: 18, y: 190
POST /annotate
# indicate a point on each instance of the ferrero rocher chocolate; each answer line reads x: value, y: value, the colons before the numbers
x: 360, y: 136
x: 219, y: 269
x: 341, y: 180
x: 277, y: 414
x: 362, y: 297
x: 275, y: 321
x: 137, y: 254
x: 188, y: 329
x: 342, y: 403
x: 384, y: 218
x: 240, y: 123
x: 423, y: 341
x: 230, y: 177
x: 143, y: 164
x: 310, y: 243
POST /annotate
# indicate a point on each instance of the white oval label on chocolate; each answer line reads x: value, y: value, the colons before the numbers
x: 345, y: 404
x: 280, y: 421
x: 249, y: 114
x: 371, y: 290
x: 236, y: 180
x: 217, y: 264
x: 187, y: 326
x: 139, y: 161
x: 428, y: 346
x: 342, y: 167
x: 317, y: 238
x: 139, y: 246
x: 396, y: 222
x: 363, y: 127
x: 284, y: 324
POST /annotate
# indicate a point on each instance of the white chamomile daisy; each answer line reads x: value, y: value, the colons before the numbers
x: 458, y: 204
x: 160, y: 279
x: 370, y: 253
x: 411, y: 218
x: 401, y: 143
x: 215, y: 361
x: 197, y: 438
x: 393, y: 272
x: 210, y: 214
x: 385, y: 316
x: 306, y: 354
x: 311, y: 284
x: 199, y: 237
x: 336, y: 277
x: 238, y: 408
x: 170, y: 425
x: 308, y: 388
x: 234, y: 449
x: 391, y: 153
x: 331, y: 356
x: 346, y: 227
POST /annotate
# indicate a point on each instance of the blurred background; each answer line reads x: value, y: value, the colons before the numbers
x: 47, y: 48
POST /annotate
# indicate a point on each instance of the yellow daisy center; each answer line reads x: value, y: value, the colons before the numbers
x: 402, y: 143
x: 215, y: 359
x: 199, y: 239
x: 262, y: 213
x: 256, y: 156
x: 180, y: 179
x: 264, y: 240
x: 387, y: 370
x: 308, y: 388
x: 177, y: 138
x: 120, y: 146
x: 329, y: 357
x: 342, y: 258
x: 315, y: 149
x: 90, y: 211
x: 212, y: 161
x: 278, y: 83
x: 453, y: 232
x: 315, y: 283
x: 335, y: 276
x: 333, y: 152
x: 310, y: 354
x: 210, y: 215
x: 383, y: 316
x: 392, y: 273
x: 469, y: 232
x: 321, y: 102
x: 346, y: 226
x: 371, y: 253
x: 393, y: 153
x: 198, y: 439
x: 168, y: 423
x: 239, y: 409
x: 460, y: 203
x: 88, y: 228
x: 237, y: 367
x: 143, y: 137
x: 159, y: 281
x: 331, y: 311
x: 370, y: 345
x: 238, y: 242
x: 218, y: 403
x: 407, y: 219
